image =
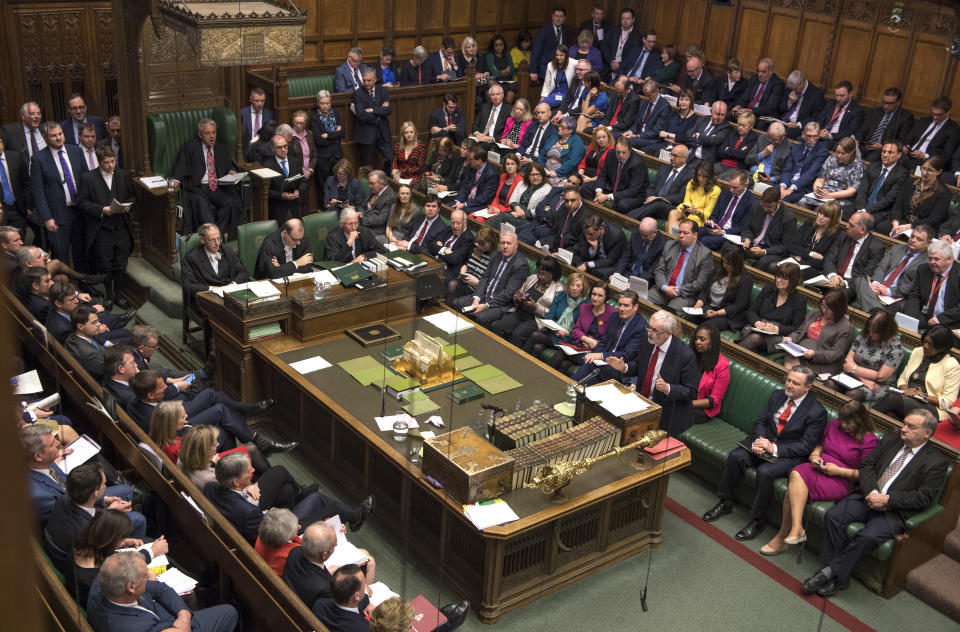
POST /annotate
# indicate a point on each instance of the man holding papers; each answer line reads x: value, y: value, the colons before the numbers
x: 212, y: 265
x: 306, y: 572
x: 287, y: 189
x: 622, y: 338
x: 896, y: 275
x: 666, y: 372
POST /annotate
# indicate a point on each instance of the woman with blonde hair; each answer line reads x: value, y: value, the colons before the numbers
x: 398, y: 225
x: 409, y: 154
x: 198, y: 455
x: 167, y: 421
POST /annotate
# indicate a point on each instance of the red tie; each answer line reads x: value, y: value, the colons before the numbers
x: 646, y: 116
x: 756, y: 99
x: 846, y: 260
x: 677, y: 268
x: 421, y: 233
x: 449, y: 120
x: 892, y: 277
x: 648, y: 376
x: 784, y: 416
x: 613, y: 119
x: 211, y: 170
x: 616, y: 182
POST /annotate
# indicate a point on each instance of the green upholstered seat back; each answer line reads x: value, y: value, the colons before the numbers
x: 168, y: 131
x: 249, y: 238
x: 309, y: 86
x: 316, y: 227
x: 184, y: 245
x: 746, y: 397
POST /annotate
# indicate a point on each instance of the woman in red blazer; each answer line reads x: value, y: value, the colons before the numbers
x: 715, y: 371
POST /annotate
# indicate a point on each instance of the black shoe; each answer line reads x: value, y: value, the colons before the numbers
x: 266, y: 445
x: 257, y: 408
x: 127, y: 317
x: 833, y: 586
x: 722, y: 508
x: 306, y: 490
x: 815, y: 583
x: 752, y: 530
x: 108, y: 304
x: 365, y: 508
x: 122, y: 303
x: 456, y: 613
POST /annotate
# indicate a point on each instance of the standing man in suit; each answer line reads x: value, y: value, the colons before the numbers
x: 123, y: 600
x: 113, y: 139
x: 802, y: 102
x: 621, y: 48
x: 255, y: 116
x: 479, y: 183
x: 504, y: 275
x: 935, y: 297
x: 109, y: 238
x: 841, y: 116
x: 55, y: 175
x: 789, y: 427
x: 651, y: 115
x: 899, y: 479
x: 493, y: 115
x: 646, y: 60
x: 667, y: 189
x: 16, y: 195
x: 448, y: 120
x: 78, y: 114
x: 854, y: 256
x: 622, y: 182
x: 770, y: 230
x: 896, y: 274
x: 763, y: 94
x: 211, y: 265
x: 427, y: 231
x: 285, y: 197
x: 601, y: 248
x: 25, y: 135
x: 284, y: 253
x: 882, y: 183
x: 380, y: 205
x: 622, y: 111
x: 625, y: 331
x: 201, y: 162
x: 347, y: 77
x: 934, y: 135
x: 885, y: 123
x: 732, y: 211
x: 771, y: 151
x: 597, y: 25
x: 548, y: 38
x: 88, y: 144
x: 641, y: 257
x: 456, y: 248
x: 350, y: 242
x: 706, y: 135
x: 684, y: 268
x: 666, y: 372
x: 372, y: 105
x: 803, y: 165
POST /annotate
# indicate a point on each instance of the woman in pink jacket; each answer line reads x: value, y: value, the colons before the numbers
x: 716, y: 373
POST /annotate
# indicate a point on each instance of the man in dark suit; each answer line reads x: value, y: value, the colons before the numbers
x: 347, y: 76
x: 665, y: 371
x: 645, y: 61
x: 285, y: 196
x: 25, y: 135
x: 350, y: 242
x: 448, y: 121
x: 493, y: 116
x: 305, y: 571
x: 567, y: 228
x: 772, y: 151
x: 348, y: 608
x: 882, y: 183
x: 109, y: 238
x: 788, y: 429
x: 731, y: 212
x: 622, y: 110
x: 601, y: 248
x: 840, y: 116
x: 643, y: 254
x: 622, y: 182
x: 372, y: 132
x: 935, y: 297
x: 80, y: 343
x: 803, y: 165
x: 201, y: 162
x: 899, y: 479
x: 64, y: 298
x: 456, y: 248
x: 667, y: 189
x: 544, y: 216
x: 123, y: 600
x: 683, y: 270
x: 802, y: 102
x: 545, y: 43
x: 934, y: 135
x: 35, y: 285
x: 78, y: 114
x: 896, y: 273
x: 706, y: 135
x: 443, y: 65
x: 698, y: 80
x: 571, y: 104
x: 885, y: 123
x: 625, y: 331
x: 540, y: 136
x: 854, y: 256
x: 380, y: 204
x: 211, y: 265
x: 16, y: 195
x: 621, y: 47
x: 255, y: 116
x: 479, y: 183
x: 113, y: 139
x: 771, y: 228
x: 55, y: 174
x: 651, y: 115
x: 284, y: 253
x: 763, y: 94
x: 597, y: 25
x: 427, y: 231
x: 504, y: 275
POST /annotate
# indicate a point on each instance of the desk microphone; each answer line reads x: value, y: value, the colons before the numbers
x: 286, y: 285
x: 589, y: 376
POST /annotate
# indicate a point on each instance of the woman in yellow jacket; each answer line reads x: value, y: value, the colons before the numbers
x: 930, y: 380
x: 699, y: 200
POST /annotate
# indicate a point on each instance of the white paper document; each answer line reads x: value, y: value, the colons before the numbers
x: 601, y: 392
x: 794, y: 262
x: 550, y: 324
x: 761, y: 331
x: 263, y: 289
x: 120, y: 207
x: 84, y: 449
x: 154, y: 182
x: 570, y: 351
x: 309, y: 365
x: 734, y: 239
x: 344, y: 552
x: 889, y: 300
x: 448, y: 322
x: 693, y: 311
x: 565, y: 256
x: 27, y: 383
x: 907, y: 322
x: 847, y: 381
x: 614, y: 400
x: 619, y: 282
x: 818, y: 281
x: 380, y: 593
x: 386, y: 423
x: 175, y: 579
x: 231, y: 178
x: 266, y: 174
x: 699, y: 108
x: 406, y: 181
x: 792, y: 348
x: 760, y: 187
x: 485, y: 213
x: 640, y: 285
x: 445, y: 194
x: 490, y: 514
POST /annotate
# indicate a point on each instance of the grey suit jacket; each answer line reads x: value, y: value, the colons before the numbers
x: 89, y: 355
x: 698, y: 268
x: 779, y: 156
x: 376, y: 216
x: 830, y: 348
x: 909, y: 275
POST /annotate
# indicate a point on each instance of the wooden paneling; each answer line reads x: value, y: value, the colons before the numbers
x: 753, y: 25
x: 693, y: 18
x: 405, y: 13
x: 666, y: 23
x: 373, y: 19
x: 849, y: 61
x: 718, y: 34
x: 812, y: 54
x: 927, y: 65
x: 336, y: 18
x: 888, y: 64
x: 782, y: 37
x: 461, y: 15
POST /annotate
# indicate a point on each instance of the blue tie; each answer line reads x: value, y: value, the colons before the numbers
x: 641, y: 258
x: 283, y: 165
x: 876, y: 190
x: 8, y: 198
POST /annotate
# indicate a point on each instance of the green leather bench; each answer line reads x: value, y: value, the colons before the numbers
x: 309, y: 86
x: 249, y: 238
x: 316, y: 227
x: 168, y: 131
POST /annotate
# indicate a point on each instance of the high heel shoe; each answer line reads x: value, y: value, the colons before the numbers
x: 769, y: 551
x: 800, y: 539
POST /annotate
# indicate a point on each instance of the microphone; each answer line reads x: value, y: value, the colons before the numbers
x: 643, y: 600
x: 589, y: 376
x: 286, y: 285
x: 492, y: 407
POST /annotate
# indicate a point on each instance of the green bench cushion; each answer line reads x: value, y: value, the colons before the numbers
x: 168, y: 131
x: 309, y: 86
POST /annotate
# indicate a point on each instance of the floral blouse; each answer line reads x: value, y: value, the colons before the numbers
x: 837, y: 177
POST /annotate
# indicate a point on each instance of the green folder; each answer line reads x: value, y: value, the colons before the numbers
x: 466, y: 362
x: 499, y: 384
x: 401, y: 383
x: 481, y: 373
x: 455, y: 351
x: 359, y: 364
x: 351, y: 274
x: 421, y: 407
x: 466, y: 393
x: 405, y: 258
x: 371, y: 375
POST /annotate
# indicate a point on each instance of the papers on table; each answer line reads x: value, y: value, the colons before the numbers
x: 448, y: 322
x: 699, y: 108
x: 120, y: 207
x: 490, y: 514
x: 84, y: 449
x: 792, y: 348
x: 380, y: 593
x: 693, y: 311
x: 619, y: 282
x: 760, y: 187
x: 263, y: 289
x: 232, y: 178
x: 817, y: 281
x: 907, y: 322
x: 847, y: 381
x: 266, y: 174
x: 309, y: 365
x: 154, y: 182
x: 565, y: 256
x: 614, y: 400
x: 794, y: 262
x: 761, y: 331
x: 175, y: 579
x: 734, y: 239
x: 889, y: 300
x: 26, y: 383
x: 386, y: 423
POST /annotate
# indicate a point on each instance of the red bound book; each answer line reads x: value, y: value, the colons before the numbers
x: 428, y: 618
x: 666, y: 449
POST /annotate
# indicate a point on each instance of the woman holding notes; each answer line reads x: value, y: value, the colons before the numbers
x: 824, y: 334
x: 873, y: 360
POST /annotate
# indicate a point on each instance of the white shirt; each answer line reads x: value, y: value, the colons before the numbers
x: 930, y: 132
x: 90, y: 157
x: 63, y: 179
x: 205, y: 179
x: 37, y: 135
x: 849, y: 271
x: 287, y: 253
x: 624, y: 36
x: 913, y: 453
x: 6, y: 167
x: 660, y: 356
x: 776, y: 416
x: 492, y: 121
x: 214, y: 261
x: 107, y: 179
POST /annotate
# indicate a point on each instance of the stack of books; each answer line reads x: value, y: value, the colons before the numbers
x: 529, y: 425
x: 590, y: 439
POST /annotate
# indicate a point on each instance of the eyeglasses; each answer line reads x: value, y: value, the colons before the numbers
x: 657, y: 332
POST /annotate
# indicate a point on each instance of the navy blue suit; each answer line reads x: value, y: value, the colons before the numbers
x: 486, y: 188
x: 799, y: 436
x: 770, y: 98
x: 640, y: 259
x: 680, y: 370
x: 800, y: 172
x: 460, y: 251
x: 44, y: 492
x: 50, y: 200
x: 648, y: 133
x: 545, y: 45
x: 547, y: 140
x: 67, y: 520
x: 71, y: 138
x: 436, y: 68
x: 614, y: 342
x: 849, y: 125
x: 336, y: 618
x: 310, y: 581
x: 246, y: 115
x: 438, y: 231
x: 741, y: 215
x: 344, y: 79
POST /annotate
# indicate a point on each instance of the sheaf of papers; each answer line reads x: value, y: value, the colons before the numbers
x: 154, y: 182
x: 448, y: 322
x: 907, y: 322
x: 445, y: 194
x: 27, y: 383
x: 792, y: 348
x: 175, y: 579
x: 889, y: 300
x: 265, y: 173
x: 760, y: 187
x: 565, y: 256
x: 699, y: 108
x: 386, y: 423
x: 736, y: 239
x: 640, y: 286
x: 693, y: 311
x: 490, y: 514
x: 485, y: 213
x: 309, y: 365
x: 550, y: 324
x: 84, y: 449
x: 619, y: 282
x: 818, y: 281
x: 600, y: 392
x: 380, y: 593
x: 570, y: 351
x: 614, y: 401
x: 263, y: 289
x: 847, y: 381
x: 794, y: 262
x: 231, y: 178
x: 406, y: 181
x: 344, y: 552
x: 672, y: 100
x: 120, y: 207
